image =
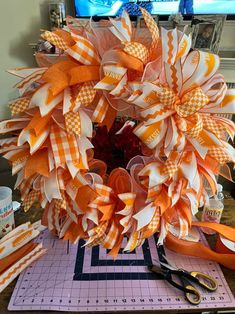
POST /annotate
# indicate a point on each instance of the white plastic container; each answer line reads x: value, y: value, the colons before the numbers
x: 7, y: 222
x: 213, y: 211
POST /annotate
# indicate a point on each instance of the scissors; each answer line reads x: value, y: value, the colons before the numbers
x: 187, y: 278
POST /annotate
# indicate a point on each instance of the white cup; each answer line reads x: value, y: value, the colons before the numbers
x: 7, y: 222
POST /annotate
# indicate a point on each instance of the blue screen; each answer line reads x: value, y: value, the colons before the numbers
x: 85, y: 8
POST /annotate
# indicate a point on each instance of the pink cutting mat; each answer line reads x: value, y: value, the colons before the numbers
x: 75, y: 278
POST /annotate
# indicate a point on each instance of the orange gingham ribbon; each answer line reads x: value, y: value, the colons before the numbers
x: 111, y: 238
x: 19, y: 105
x: 97, y: 234
x: 83, y: 51
x: 104, y: 195
x: 153, y: 226
x: 64, y: 146
x: 73, y: 123
x: 55, y: 40
x: 132, y: 241
x: 128, y: 199
x: 101, y: 109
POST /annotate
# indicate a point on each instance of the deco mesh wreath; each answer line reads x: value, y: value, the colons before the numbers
x: 173, y: 97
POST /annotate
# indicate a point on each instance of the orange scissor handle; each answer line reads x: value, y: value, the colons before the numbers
x: 205, y: 281
x: 193, y: 297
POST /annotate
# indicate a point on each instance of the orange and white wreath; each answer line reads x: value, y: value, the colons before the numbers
x: 173, y: 95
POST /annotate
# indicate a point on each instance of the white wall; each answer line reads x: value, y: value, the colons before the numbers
x: 20, y: 23
x: 227, y: 38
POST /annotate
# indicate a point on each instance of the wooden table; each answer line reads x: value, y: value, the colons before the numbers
x: 34, y: 215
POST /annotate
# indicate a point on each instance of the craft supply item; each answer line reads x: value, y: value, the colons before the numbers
x: 15, y: 242
x: 7, y: 208
x: 77, y: 278
x: 224, y: 245
x: 57, y: 14
x: 17, y: 252
x: 212, y: 213
x: 11, y: 273
x: 187, y: 279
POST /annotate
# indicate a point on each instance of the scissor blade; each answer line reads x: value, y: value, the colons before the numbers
x: 169, y: 262
x: 168, y: 266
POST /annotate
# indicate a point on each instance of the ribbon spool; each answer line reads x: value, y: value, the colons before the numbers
x: 224, y: 245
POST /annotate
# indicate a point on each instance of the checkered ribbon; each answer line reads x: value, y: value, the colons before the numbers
x: 26, y: 185
x: 85, y: 96
x: 153, y: 28
x: 212, y: 125
x: 60, y: 203
x: 73, y: 123
x: 64, y: 146
x: 220, y: 155
x: 100, y: 110
x: 19, y: 105
x: 137, y: 50
x: 197, y: 125
x: 169, y: 168
x: 83, y: 51
x: 55, y: 40
x: 191, y: 103
x: 168, y: 98
x: 122, y: 29
x: 30, y: 199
